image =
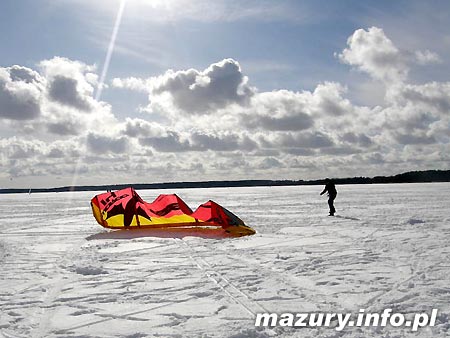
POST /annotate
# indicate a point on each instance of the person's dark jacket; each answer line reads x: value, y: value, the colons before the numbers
x: 330, y: 188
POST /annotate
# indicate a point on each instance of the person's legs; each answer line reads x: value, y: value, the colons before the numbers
x: 331, y: 205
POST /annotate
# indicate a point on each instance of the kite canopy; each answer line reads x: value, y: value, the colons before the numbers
x: 125, y: 209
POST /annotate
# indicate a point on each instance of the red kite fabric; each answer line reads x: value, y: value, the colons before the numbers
x: 126, y: 209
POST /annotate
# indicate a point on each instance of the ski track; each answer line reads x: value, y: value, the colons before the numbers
x: 63, y: 277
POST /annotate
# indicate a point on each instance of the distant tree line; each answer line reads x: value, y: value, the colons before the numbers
x: 408, y: 177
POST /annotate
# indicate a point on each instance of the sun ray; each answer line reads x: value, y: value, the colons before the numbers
x: 103, y: 76
x: 110, y: 51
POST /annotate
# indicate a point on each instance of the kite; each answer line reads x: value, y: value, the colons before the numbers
x: 125, y: 209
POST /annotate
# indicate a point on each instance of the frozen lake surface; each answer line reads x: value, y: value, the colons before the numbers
x: 65, y: 276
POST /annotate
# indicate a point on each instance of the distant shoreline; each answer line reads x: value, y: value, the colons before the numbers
x: 407, y: 177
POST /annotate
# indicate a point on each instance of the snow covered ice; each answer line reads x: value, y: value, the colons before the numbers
x: 62, y: 275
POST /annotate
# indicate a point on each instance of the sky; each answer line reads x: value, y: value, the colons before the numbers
x: 143, y: 91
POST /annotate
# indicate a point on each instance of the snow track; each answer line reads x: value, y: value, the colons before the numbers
x: 238, y: 296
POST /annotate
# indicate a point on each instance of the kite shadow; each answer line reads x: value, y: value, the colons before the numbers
x: 162, y: 233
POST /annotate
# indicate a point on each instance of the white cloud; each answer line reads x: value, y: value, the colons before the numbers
x: 195, y: 92
x: 142, y: 128
x: 418, y: 114
x: 427, y: 57
x: 281, y: 122
x: 328, y: 100
x: 357, y: 138
x: 21, y: 91
x: 270, y: 163
x: 280, y: 110
x: 374, y: 53
x: 318, y: 124
x: 132, y: 83
x: 414, y: 115
x: 16, y: 148
x: 57, y: 99
x: 325, y: 109
x: 225, y: 142
x: 172, y: 142
x: 65, y: 127
x: 101, y: 144
x: 69, y: 149
x: 433, y: 96
x: 410, y: 138
x: 199, y: 141
x: 69, y: 82
x: 306, y: 140
x: 64, y: 90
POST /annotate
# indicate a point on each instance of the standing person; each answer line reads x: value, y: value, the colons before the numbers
x: 331, y: 189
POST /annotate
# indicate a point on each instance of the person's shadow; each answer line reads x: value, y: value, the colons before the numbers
x: 211, y: 233
x: 348, y: 217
